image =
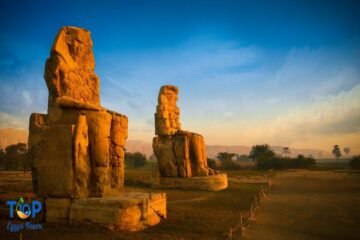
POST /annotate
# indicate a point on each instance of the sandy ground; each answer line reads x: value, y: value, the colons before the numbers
x: 301, y: 205
x: 310, y: 205
x: 190, y: 214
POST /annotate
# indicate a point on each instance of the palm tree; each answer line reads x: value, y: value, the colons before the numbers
x: 286, y: 151
x: 262, y: 151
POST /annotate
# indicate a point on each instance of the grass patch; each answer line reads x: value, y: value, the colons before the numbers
x: 250, y: 173
x: 331, y: 165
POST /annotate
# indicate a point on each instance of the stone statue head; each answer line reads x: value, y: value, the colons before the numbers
x: 167, y: 117
x: 74, y: 45
x: 69, y: 71
x: 168, y: 95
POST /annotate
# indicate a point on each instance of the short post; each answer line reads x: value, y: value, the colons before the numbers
x: 262, y: 192
x: 256, y: 203
x: 241, y: 223
x: 266, y: 188
x: 251, y: 213
x: 230, y: 233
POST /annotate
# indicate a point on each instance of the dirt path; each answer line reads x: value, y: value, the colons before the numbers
x: 310, y: 205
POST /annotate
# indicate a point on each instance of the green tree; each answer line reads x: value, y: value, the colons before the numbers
x: 2, y: 159
x: 243, y: 158
x: 263, y: 156
x: 355, y: 162
x: 261, y: 151
x: 226, y: 159
x: 347, y: 151
x: 16, y: 157
x: 136, y: 159
x: 211, y: 163
x: 336, y: 152
x: 16, y: 149
x: 302, y: 162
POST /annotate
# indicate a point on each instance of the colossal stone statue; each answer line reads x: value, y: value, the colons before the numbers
x: 179, y: 153
x: 77, y: 148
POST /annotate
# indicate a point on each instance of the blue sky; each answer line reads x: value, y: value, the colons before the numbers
x: 281, y: 72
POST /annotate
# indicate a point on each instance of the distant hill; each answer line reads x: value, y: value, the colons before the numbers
x: 213, y: 150
x: 10, y: 136
x: 139, y: 146
x: 316, y: 153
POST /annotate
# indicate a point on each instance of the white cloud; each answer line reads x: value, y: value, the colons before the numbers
x: 228, y: 114
x: 335, y: 119
x: 312, y: 100
x: 313, y: 73
x: 11, y: 121
x: 334, y: 114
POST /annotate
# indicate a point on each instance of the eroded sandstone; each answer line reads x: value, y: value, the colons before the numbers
x: 77, y: 148
x: 179, y: 153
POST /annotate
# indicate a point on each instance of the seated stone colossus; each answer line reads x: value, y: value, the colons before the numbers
x: 179, y: 153
x: 77, y: 148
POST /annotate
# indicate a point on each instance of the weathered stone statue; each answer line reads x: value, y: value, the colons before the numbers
x: 180, y: 154
x: 77, y: 148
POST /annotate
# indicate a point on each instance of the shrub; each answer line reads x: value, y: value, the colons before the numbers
x: 355, y: 162
x: 243, y: 158
x: 211, y: 163
x: 15, y: 157
x: 285, y: 162
x: 227, y: 161
x: 136, y: 159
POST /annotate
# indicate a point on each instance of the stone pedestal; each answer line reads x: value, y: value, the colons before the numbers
x: 131, y: 211
x: 57, y: 210
x: 208, y: 183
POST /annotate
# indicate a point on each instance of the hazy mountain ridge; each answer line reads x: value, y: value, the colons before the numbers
x: 10, y: 136
x: 139, y: 146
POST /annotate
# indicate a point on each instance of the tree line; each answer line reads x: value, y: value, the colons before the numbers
x: 15, y: 157
x: 264, y: 158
